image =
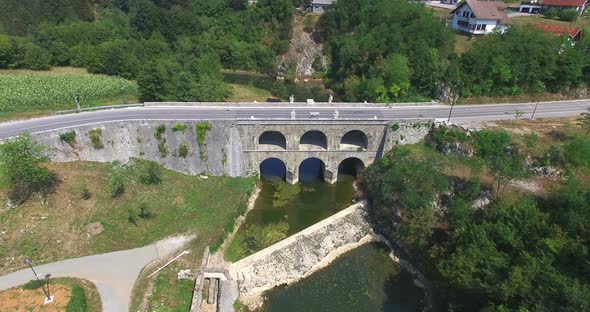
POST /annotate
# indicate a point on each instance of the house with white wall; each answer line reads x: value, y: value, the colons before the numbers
x: 480, y: 17
x: 540, y: 6
x: 321, y: 6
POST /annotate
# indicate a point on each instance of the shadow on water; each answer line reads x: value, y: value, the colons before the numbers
x: 364, y: 279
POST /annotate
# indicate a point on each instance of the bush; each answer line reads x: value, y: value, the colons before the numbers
x: 279, y: 89
x: 531, y: 139
x: 577, y: 151
x: 23, y: 165
x: 183, y: 150
x: 115, y: 180
x: 77, y: 301
x: 162, y: 148
x: 84, y: 191
x: 68, y: 137
x: 95, y: 138
x: 149, y: 172
x: 160, y: 131
x: 568, y: 15
x: 551, y: 13
x: 308, y: 24
x: 179, y: 127
x: 32, y: 285
x: 145, y: 212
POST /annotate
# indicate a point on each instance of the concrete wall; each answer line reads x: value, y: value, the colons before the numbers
x: 123, y: 140
x: 232, y: 148
x: 299, y: 255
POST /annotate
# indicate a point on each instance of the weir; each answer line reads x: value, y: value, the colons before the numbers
x: 303, y: 253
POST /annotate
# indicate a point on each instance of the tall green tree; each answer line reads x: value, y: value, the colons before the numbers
x: 23, y: 161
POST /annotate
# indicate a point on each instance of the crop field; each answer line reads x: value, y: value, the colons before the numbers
x: 37, y: 92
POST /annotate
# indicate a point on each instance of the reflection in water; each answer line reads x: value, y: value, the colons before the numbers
x: 311, y: 170
x: 364, y: 279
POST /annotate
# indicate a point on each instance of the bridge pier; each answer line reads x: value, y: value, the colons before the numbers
x: 292, y: 176
x: 330, y: 176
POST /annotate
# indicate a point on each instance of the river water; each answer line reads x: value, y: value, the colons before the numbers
x: 364, y: 279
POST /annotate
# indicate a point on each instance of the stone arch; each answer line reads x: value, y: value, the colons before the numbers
x: 313, y: 140
x: 273, y: 168
x: 310, y: 169
x: 354, y: 140
x: 272, y: 140
x: 351, y: 166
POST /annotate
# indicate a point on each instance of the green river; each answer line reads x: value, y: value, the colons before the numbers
x: 364, y: 279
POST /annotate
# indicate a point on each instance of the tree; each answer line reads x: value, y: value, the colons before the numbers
x: 279, y: 89
x: 22, y: 161
x: 584, y: 122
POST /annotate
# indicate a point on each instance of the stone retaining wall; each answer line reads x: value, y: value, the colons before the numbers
x: 303, y: 253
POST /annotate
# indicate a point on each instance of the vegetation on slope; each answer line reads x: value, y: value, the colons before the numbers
x: 523, y: 252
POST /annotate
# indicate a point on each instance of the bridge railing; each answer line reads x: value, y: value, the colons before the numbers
x: 86, y: 109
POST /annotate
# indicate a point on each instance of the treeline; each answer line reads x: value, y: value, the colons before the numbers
x: 393, y: 50
x: 174, y: 48
x: 518, y: 253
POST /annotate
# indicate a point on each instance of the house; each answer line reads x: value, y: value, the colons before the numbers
x: 573, y: 33
x: 480, y: 17
x: 449, y: 1
x: 540, y: 6
x: 321, y: 6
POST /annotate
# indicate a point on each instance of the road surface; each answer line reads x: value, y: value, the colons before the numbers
x: 461, y: 113
x: 113, y: 273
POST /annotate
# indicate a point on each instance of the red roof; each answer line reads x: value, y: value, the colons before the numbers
x: 564, y: 3
x: 559, y: 30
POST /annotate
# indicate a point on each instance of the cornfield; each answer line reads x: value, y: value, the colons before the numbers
x: 30, y: 92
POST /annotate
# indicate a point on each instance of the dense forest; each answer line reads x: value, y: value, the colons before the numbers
x: 378, y: 50
x: 519, y: 252
x: 174, y: 48
x: 393, y: 50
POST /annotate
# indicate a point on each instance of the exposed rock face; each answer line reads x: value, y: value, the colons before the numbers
x: 303, y: 253
x: 303, y: 51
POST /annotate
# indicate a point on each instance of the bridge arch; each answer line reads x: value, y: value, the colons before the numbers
x: 272, y: 140
x: 273, y: 168
x: 354, y: 140
x: 311, y: 169
x: 351, y: 166
x: 313, y: 140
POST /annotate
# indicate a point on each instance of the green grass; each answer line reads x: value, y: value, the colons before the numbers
x: 171, y: 294
x: 581, y: 22
x: 30, y: 93
x: 179, y: 204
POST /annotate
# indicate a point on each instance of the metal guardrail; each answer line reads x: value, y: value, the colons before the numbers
x: 75, y: 110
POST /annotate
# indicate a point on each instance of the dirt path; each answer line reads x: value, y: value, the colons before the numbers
x: 113, y: 273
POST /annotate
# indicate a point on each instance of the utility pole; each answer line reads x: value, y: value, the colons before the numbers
x: 535, y: 110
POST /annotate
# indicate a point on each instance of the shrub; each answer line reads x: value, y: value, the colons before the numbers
x: 183, y: 150
x: 577, y: 151
x: 145, y: 212
x: 160, y: 131
x: 115, y: 180
x: 551, y: 13
x: 32, y: 285
x: 77, y: 301
x: 149, y: 172
x: 23, y: 166
x: 531, y: 139
x: 84, y: 191
x: 279, y: 89
x: 68, y: 137
x: 162, y: 148
x: 568, y: 15
x: 308, y: 24
x: 202, y: 128
x: 179, y: 127
x: 95, y: 138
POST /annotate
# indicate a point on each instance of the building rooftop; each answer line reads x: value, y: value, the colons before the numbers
x: 487, y: 10
x: 564, y: 3
x: 559, y: 30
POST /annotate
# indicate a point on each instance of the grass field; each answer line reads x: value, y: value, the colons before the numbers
x: 27, y: 93
x: 581, y: 22
x: 54, y: 228
x: 21, y: 299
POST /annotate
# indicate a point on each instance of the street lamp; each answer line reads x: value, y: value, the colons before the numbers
x: 48, y: 298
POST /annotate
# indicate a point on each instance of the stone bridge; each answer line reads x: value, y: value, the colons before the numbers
x: 339, y: 145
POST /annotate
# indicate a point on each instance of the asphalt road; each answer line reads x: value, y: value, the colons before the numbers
x: 113, y: 273
x: 266, y: 111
